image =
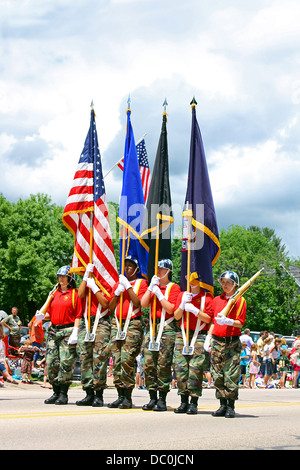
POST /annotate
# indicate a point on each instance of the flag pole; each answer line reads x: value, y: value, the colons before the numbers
x: 122, y: 272
x: 188, y: 273
x: 155, y: 271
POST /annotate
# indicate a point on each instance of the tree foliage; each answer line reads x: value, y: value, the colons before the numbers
x: 34, y: 243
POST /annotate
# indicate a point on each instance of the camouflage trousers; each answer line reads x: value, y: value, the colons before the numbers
x: 60, y: 356
x: 158, y: 364
x: 94, y: 355
x: 189, y: 369
x: 124, y: 352
x: 225, y: 366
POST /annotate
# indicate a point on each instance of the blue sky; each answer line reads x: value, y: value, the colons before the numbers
x: 239, y: 59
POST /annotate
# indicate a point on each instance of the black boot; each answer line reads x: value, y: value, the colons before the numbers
x: 152, y: 402
x: 118, y: 401
x: 161, y: 403
x: 88, y: 399
x: 98, y: 398
x: 127, y: 402
x: 230, y: 413
x: 63, y: 395
x: 53, y: 397
x: 222, y: 410
x: 193, y: 406
x: 184, y: 404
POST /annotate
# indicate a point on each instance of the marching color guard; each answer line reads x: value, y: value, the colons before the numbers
x: 224, y: 338
x: 127, y: 334
x: 162, y: 295
x: 195, y: 312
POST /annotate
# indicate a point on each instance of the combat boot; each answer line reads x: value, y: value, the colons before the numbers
x: 152, y: 402
x: 54, y: 397
x: 230, y: 413
x: 88, y: 399
x: 63, y: 395
x: 184, y: 404
x: 127, y: 402
x: 161, y: 403
x: 193, y: 406
x: 223, y: 408
x: 118, y: 401
x: 98, y: 399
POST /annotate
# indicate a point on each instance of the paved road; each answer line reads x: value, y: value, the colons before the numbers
x: 266, y: 419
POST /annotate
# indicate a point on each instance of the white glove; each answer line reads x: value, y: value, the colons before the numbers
x: 119, y: 289
x: 89, y: 269
x: 39, y: 316
x: 187, y: 297
x: 191, y: 308
x: 90, y: 282
x: 124, y: 281
x: 73, y: 336
x: 206, y: 344
x: 222, y: 320
x: 154, y: 282
x: 156, y: 291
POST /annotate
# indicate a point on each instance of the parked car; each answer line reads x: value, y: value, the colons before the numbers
x: 255, y: 335
x: 289, y: 341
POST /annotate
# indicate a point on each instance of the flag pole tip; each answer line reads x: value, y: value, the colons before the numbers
x: 128, y: 103
x: 193, y: 102
x: 165, y: 104
x: 92, y: 104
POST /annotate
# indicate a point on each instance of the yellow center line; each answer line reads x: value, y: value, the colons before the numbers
x: 64, y: 413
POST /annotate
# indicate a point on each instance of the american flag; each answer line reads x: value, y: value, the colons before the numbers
x: 143, y: 165
x: 86, y: 207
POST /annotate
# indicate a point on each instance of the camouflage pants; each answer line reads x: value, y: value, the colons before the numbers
x: 189, y: 369
x: 124, y: 353
x: 157, y: 364
x: 94, y: 355
x: 60, y: 356
x: 225, y: 364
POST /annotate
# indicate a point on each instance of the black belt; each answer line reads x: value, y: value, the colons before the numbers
x: 225, y: 339
x: 61, y: 327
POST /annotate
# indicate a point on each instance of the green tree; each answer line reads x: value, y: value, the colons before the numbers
x: 34, y: 244
x: 272, y: 302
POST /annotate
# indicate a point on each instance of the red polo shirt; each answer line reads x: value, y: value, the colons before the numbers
x: 208, y: 309
x: 237, y: 313
x: 126, y: 299
x: 61, y: 309
x: 172, y: 298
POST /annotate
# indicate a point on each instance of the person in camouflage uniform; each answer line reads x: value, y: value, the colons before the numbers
x: 157, y: 364
x: 93, y: 352
x: 124, y: 351
x: 64, y: 310
x: 224, y: 339
x: 189, y: 369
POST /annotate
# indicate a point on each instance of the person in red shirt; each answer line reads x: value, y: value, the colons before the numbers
x: 224, y: 338
x: 64, y: 309
x: 195, y: 312
x: 36, y: 335
x: 93, y: 350
x: 126, y: 338
x: 159, y: 345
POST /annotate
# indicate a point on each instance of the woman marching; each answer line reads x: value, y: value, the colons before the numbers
x: 226, y: 345
x: 191, y: 360
x: 94, y: 348
x: 64, y: 308
x: 127, y: 334
x: 158, y: 354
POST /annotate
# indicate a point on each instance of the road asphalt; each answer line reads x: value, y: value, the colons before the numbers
x: 265, y: 420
